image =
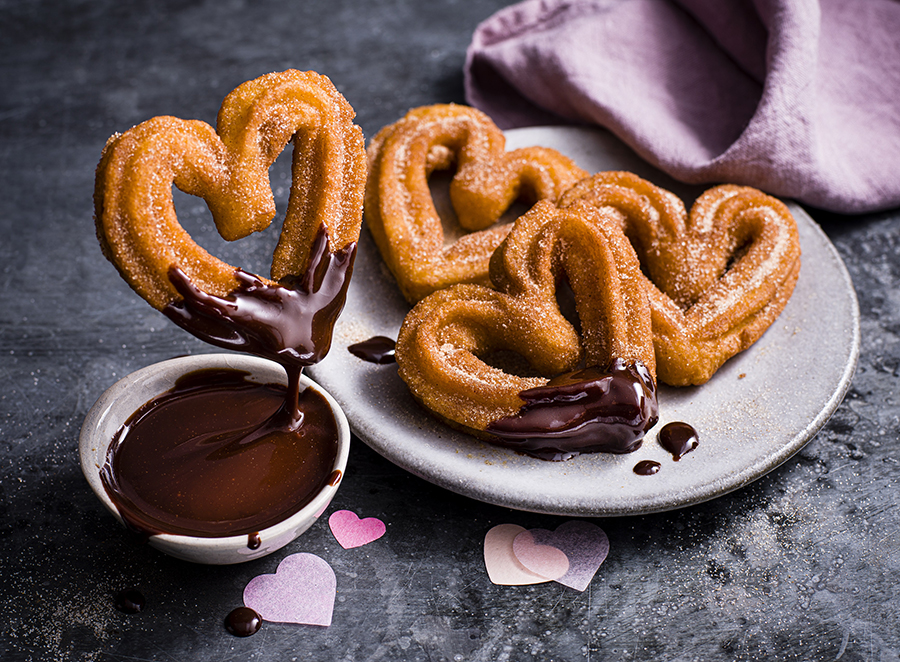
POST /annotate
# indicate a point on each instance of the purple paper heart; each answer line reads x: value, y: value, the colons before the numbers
x: 583, y: 543
x: 302, y: 590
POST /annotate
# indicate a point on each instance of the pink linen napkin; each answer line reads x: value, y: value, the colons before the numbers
x: 800, y: 98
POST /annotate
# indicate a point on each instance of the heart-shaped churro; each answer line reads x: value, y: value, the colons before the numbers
x: 228, y: 167
x: 605, y: 398
x: 401, y: 213
x: 716, y: 278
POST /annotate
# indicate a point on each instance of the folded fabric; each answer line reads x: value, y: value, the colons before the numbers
x: 796, y: 97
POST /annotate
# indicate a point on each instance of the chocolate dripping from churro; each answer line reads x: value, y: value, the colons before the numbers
x: 219, y: 428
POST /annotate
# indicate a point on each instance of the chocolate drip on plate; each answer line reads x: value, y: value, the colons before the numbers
x: 377, y: 349
x: 678, y: 438
x: 646, y: 468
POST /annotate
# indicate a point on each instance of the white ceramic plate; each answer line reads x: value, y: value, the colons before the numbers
x: 756, y: 412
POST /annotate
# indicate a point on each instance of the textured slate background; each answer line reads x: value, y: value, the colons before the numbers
x: 801, y: 565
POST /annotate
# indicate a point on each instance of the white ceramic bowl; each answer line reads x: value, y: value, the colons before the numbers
x: 124, y: 397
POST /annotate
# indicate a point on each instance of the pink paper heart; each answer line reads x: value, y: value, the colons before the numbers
x: 302, y: 590
x: 544, y: 560
x: 584, y: 544
x: 351, y: 531
x: 502, y: 566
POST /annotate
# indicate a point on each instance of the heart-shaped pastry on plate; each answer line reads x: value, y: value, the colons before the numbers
x: 716, y: 278
x: 421, y: 253
x: 602, y: 397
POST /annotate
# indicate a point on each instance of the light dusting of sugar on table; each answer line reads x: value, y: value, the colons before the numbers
x: 64, y: 610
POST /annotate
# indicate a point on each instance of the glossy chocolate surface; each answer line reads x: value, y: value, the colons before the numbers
x: 678, y: 438
x: 213, y: 457
x: 377, y: 349
x: 647, y: 468
x: 290, y: 323
x: 243, y: 622
x: 585, y: 411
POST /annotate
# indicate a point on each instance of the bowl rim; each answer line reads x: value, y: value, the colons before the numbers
x: 109, y: 409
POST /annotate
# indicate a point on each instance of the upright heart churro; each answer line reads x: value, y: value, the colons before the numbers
x: 400, y: 211
x: 140, y: 233
x: 228, y: 167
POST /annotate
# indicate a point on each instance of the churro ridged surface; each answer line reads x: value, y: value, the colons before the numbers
x: 400, y: 211
x: 228, y: 167
x: 445, y: 340
x: 716, y: 278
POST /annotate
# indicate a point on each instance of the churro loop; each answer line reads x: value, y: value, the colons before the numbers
x: 446, y: 341
x: 400, y: 211
x: 716, y: 278
x: 228, y: 167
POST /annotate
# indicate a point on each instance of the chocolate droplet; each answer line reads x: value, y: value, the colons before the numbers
x: 243, y: 622
x: 678, y: 438
x: 646, y: 468
x: 378, y: 349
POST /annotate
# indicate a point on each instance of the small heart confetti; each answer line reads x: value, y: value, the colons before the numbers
x: 351, y: 531
x: 585, y: 545
x: 302, y: 590
x: 502, y: 566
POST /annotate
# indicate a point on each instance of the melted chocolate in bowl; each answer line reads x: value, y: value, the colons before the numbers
x: 206, y: 459
x: 219, y: 455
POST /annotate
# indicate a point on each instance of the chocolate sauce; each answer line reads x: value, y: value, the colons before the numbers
x: 335, y: 477
x: 585, y: 411
x: 219, y: 455
x: 290, y: 323
x: 646, y: 468
x: 253, y: 540
x: 130, y: 601
x: 678, y: 438
x: 214, y: 457
x: 243, y: 622
x: 378, y: 349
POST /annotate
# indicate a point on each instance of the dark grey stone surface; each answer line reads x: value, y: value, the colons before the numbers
x: 804, y: 564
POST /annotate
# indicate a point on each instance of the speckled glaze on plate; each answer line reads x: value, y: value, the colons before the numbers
x: 756, y: 412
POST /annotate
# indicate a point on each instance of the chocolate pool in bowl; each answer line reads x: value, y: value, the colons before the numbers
x: 279, y: 502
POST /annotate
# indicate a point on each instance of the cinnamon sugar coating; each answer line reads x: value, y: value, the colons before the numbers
x: 228, y: 167
x: 445, y: 341
x: 716, y: 278
x: 400, y: 211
